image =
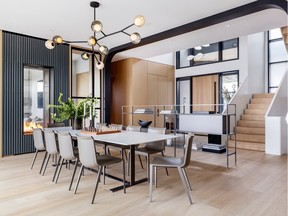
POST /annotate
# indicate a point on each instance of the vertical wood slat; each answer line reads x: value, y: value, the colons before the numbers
x: 19, y: 50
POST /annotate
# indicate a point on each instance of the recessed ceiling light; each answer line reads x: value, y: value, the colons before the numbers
x: 228, y: 26
x: 198, y: 47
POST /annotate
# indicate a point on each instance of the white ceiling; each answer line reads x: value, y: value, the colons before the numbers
x: 72, y: 20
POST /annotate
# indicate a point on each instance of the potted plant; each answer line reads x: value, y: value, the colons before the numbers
x: 72, y: 110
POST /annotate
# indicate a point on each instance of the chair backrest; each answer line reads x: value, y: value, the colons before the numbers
x: 133, y: 128
x: 188, y: 150
x: 66, y: 146
x: 50, y: 142
x: 160, y: 145
x: 38, y: 139
x: 116, y: 126
x: 57, y: 124
x: 156, y: 130
x: 87, y: 152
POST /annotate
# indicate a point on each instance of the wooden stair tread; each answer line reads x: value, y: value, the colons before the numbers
x: 246, y: 123
x: 263, y: 95
x: 247, y: 145
x: 260, y: 100
x: 253, y: 117
x: 255, y: 111
x: 257, y: 138
x: 251, y: 130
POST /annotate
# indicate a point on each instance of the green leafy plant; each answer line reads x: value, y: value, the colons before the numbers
x: 71, y: 109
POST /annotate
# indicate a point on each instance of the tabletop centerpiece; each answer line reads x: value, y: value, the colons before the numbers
x: 74, y: 111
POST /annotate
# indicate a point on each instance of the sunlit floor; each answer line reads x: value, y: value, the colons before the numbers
x: 256, y: 186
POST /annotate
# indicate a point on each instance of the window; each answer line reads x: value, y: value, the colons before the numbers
x: 208, y: 53
x: 86, y: 79
x: 277, y: 59
x: 228, y: 85
x: 230, y: 49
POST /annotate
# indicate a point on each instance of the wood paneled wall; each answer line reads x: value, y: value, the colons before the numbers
x: 139, y: 82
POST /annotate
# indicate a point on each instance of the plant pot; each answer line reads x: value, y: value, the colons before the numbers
x: 77, y: 123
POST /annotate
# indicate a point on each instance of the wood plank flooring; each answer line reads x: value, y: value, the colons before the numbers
x: 256, y: 186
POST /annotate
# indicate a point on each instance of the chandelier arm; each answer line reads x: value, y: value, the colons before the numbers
x: 94, y: 54
x: 110, y: 34
x: 65, y: 41
x: 125, y: 33
x: 128, y: 27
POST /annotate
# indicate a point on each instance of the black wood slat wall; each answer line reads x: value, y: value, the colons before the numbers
x: 20, y: 50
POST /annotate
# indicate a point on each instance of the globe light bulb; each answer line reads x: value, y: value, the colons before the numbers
x: 92, y: 41
x: 99, y: 65
x: 57, y: 39
x: 103, y: 49
x: 96, y: 26
x: 85, y: 56
x: 49, y: 44
x: 135, y: 38
x: 139, y: 21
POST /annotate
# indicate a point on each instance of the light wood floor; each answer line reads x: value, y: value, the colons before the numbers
x: 256, y: 186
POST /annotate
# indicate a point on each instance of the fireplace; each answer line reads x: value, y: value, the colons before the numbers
x: 29, y: 124
x: 36, y: 98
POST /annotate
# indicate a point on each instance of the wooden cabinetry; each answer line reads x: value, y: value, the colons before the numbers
x: 138, y: 82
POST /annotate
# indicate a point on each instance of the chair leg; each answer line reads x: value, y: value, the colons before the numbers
x: 187, y: 179
x: 124, y: 179
x: 46, y: 164
x: 148, y: 168
x: 60, y: 168
x: 42, y: 165
x: 57, y: 167
x: 165, y: 167
x: 78, y: 179
x: 150, y: 183
x: 97, y: 183
x: 34, y: 158
x: 186, y: 187
x: 104, y: 174
x: 155, y: 173
x: 73, y: 175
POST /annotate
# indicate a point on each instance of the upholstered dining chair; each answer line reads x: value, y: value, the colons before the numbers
x: 67, y: 153
x: 51, y: 148
x: 174, y: 162
x: 152, y: 148
x: 89, y: 158
x: 39, y: 146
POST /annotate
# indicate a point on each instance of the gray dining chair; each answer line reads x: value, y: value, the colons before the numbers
x: 67, y: 153
x: 174, y: 162
x: 89, y: 158
x: 51, y: 149
x: 152, y: 148
x: 39, y: 146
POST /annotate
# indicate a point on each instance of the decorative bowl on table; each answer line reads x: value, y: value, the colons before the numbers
x: 144, y: 123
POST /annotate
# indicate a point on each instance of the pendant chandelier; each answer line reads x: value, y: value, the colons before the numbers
x: 93, y: 42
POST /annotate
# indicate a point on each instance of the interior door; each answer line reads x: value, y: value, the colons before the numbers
x: 205, y: 92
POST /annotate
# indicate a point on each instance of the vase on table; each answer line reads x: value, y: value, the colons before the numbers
x: 77, y: 123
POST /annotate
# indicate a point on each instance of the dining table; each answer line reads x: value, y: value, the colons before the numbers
x: 121, y: 138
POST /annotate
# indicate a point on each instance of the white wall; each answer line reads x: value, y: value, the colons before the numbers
x: 256, y: 62
x: 164, y: 59
x: 275, y: 125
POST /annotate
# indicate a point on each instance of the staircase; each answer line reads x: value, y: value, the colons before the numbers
x: 251, y: 127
